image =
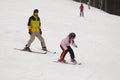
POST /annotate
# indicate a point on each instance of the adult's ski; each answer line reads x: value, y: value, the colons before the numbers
x: 45, y: 52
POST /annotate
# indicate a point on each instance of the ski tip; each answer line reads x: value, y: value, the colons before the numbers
x: 51, y: 52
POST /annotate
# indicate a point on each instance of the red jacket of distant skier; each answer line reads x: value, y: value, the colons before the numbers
x: 81, y: 8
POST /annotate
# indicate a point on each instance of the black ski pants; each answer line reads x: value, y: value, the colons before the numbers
x: 70, y: 50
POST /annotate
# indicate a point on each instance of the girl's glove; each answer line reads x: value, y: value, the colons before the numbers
x: 76, y: 46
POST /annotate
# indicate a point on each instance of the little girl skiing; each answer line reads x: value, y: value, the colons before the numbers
x: 65, y: 46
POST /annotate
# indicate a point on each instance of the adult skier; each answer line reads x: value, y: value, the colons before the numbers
x: 81, y: 10
x: 34, y: 29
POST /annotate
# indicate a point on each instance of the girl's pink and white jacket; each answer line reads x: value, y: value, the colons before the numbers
x: 66, y: 42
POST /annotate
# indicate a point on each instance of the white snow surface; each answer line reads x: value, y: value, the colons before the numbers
x: 98, y: 40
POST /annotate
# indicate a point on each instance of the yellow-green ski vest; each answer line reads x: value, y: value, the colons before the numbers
x: 34, y: 23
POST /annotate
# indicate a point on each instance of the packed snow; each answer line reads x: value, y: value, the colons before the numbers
x: 98, y: 40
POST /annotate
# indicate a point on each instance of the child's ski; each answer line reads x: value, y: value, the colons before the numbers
x: 45, y: 52
x: 77, y: 63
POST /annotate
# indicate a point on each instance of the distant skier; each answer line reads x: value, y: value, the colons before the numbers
x: 34, y: 29
x: 65, y: 46
x: 82, y: 10
x: 88, y: 3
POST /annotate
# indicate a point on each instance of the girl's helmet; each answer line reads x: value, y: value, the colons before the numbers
x: 72, y: 35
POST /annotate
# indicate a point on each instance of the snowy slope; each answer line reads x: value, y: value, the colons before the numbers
x: 98, y: 40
